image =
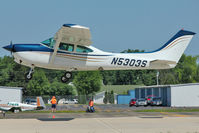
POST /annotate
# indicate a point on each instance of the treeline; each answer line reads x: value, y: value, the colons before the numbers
x: 47, y: 82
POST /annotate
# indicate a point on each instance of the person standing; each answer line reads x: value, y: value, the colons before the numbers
x: 53, y: 102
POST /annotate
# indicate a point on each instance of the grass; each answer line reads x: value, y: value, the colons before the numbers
x: 119, y: 89
x: 170, y: 110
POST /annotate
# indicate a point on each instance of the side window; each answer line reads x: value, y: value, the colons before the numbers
x: 82, y: 49
x: 66, y: 47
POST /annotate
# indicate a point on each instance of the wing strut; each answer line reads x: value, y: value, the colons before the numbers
x: 58, y: 38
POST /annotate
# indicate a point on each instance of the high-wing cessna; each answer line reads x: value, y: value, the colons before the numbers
x: 70, y: 50
x: 16, y: 106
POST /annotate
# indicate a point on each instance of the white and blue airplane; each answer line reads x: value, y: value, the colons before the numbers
x: 17, y: 106
x: 70, y: 50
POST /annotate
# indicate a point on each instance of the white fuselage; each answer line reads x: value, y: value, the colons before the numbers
x: 16, y: 105
x: 87, y: 61
x: 65, y: 56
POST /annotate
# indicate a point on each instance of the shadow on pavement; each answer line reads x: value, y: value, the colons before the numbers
x: 55, y: 119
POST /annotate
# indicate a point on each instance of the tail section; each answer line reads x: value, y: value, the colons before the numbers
x: 175, y: 47
x: 40, y: 103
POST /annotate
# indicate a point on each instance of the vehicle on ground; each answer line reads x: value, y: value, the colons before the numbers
x: 149, y: 99
x: 157, y: 101
x: 62, y: 101
x: 70, y: 50
x: 17, y: 107
x: 132, y: 102
x: 73, y: 101
x: 66, y: 101
x: 141, y: 102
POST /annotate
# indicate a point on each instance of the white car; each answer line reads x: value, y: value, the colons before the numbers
x: 156, y: 101
x: 141, y: 102
x: 74, y: 101
x: 62, y: 101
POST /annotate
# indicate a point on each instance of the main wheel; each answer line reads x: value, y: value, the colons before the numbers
x: 68, y: 75
x: 64, y: 79
x: 28, y: 76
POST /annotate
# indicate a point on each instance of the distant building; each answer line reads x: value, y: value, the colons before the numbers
x: 10, y: 94
x: 98, y: 98
x: 179, y: 95
x: 125, y: 99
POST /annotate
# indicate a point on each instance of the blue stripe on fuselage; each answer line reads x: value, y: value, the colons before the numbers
x: 41, y: 48
x: 31, y: 47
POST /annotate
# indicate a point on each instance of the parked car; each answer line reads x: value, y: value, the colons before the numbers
x: 156, y: 101
x: 141, y: 102
x: 132, y: 102
x: 64, y: 101
x: 74, y: 101
x: 149, y: 99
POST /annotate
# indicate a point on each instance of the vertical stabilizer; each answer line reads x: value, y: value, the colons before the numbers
x: 40, y: 103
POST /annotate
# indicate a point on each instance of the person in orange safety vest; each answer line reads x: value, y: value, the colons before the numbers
x: 90, y: 107
x: 53, y: 102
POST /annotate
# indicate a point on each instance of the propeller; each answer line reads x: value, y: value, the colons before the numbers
x: 10, y: 47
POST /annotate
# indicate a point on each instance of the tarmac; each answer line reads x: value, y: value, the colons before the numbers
x: 102, y: 125
x: 116, y: 119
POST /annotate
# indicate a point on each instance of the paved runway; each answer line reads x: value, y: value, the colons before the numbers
x: 105, y: 121
x: 102, y: 125
x: 26, y: 115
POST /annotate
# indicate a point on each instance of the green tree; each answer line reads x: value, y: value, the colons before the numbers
x: 87, y: 82
x: 111, y: 100
x: 38, y: 85
x: 105, y: 100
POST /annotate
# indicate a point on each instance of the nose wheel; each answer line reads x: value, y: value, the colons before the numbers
x: 66, y: 77
x: 29, y: 75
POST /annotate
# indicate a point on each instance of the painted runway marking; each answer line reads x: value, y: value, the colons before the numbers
x: 108, y: 125
x: 173, y: 114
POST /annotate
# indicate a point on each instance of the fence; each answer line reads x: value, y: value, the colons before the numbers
x: 82, y: 99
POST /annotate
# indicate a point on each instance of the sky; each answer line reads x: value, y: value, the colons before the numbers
x: 115, y: 25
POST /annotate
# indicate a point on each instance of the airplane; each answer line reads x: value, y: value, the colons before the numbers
x: 16, y: 106
x: 70, y: 50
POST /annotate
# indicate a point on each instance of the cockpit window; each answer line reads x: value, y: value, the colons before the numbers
x: 66, y: 47
x: 82, y: 49
x: 49, y: 42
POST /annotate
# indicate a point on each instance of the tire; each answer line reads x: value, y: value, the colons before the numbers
x: 68, y: 75
x: 28, y: 77
x: 64, y: 79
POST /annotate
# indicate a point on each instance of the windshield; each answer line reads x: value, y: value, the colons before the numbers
x: 141, y: 100
x: 49, y: 42
x: 156, y: 99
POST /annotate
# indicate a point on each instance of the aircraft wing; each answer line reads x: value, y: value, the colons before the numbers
x: 71, y: 34
x: 74, y: 34
x: 5, y: 108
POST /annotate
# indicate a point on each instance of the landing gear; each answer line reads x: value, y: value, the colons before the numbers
x: 29, y: 75
x: 66, y: 77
